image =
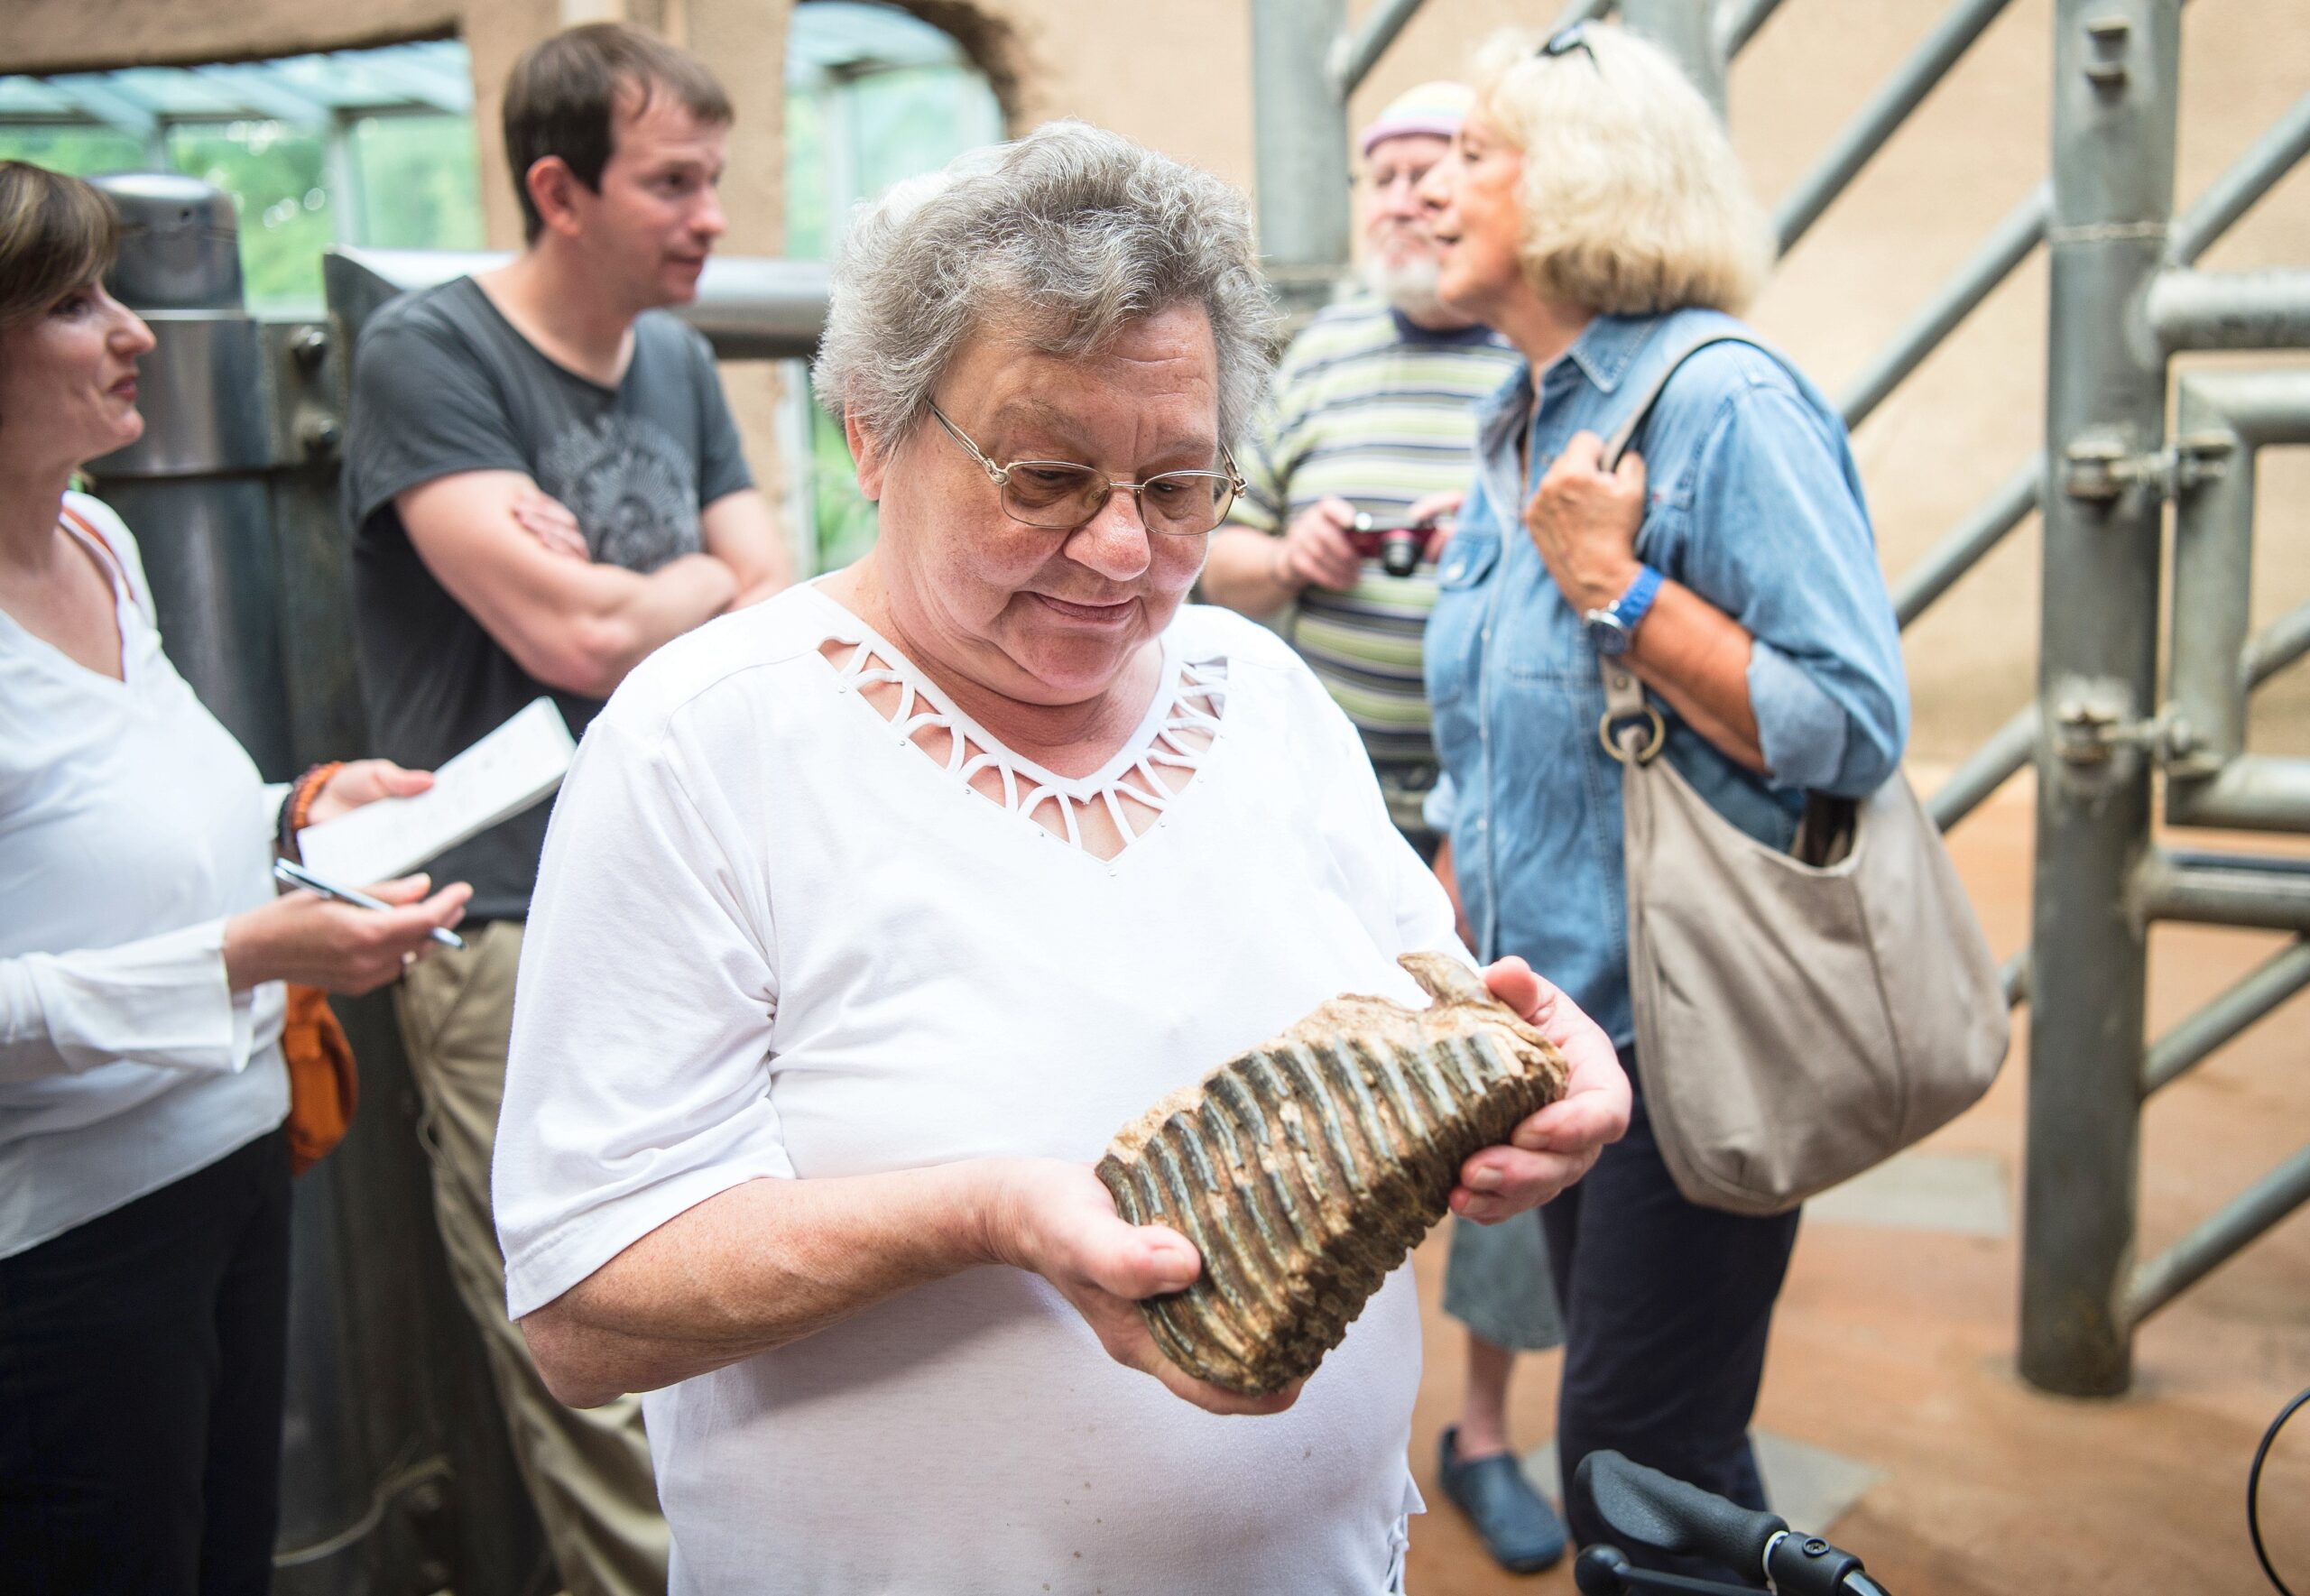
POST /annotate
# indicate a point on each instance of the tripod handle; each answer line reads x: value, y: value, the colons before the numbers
x: 1646, y: 1506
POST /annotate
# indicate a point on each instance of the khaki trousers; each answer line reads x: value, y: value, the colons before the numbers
x: 587, y: 1470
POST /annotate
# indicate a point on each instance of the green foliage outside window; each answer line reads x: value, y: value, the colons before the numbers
x: 419, y: 185
x: 80, y: 152
x: 849, y: 138
x: 895, y: 99
x: 916, y: 119
x: 277, y: 175
x: 414, y: 181
x: 809, y: 220
x: 845, y: 521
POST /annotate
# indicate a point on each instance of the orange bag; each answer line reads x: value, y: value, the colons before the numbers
x: 324, y: 1083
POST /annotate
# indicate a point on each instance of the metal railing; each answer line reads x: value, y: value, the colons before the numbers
x: 2124, y: 299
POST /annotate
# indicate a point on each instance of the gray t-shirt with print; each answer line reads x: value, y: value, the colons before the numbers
x: 442, y: 384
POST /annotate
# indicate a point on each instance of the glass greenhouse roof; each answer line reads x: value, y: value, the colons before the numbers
x: 305, y: 90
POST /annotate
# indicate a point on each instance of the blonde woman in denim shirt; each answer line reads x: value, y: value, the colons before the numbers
x: 1592, y: 211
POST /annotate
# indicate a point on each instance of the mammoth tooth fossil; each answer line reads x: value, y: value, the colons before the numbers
x: 1305, y: 1169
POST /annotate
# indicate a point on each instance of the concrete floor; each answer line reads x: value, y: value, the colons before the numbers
x: 1893, y: 1347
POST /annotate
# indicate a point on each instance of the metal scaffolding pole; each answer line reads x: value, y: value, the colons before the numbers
x: 2232, y: 309
x: 1354, y: 55
x: 2219, y: 1239
x: 2020, y: 232
x: 2009, y: 748
x: 2115, y: 66
x: 1686, y: 29
x: 1887, y: 109
x: 2255, y: 890
x: 2214, y: 1027
x: 2213, y: 546
x: 2235, y: 192
x: 2277, y: 646
x: 2252, y: 793
x: 1299, y: 129
x: 749, y: 307
x: 1737, y: 22
x: 2231, y: 195
x: 1992, y: 766
x: 2225, y: 419
x: 1965, y: 545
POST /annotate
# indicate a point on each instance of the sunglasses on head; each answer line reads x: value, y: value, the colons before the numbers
x: 1564, y: 41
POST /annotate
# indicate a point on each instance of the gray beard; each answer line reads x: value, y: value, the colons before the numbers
x: 1410, y: 287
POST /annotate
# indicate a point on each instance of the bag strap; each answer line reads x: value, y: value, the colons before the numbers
x: 1626, y: 714
x: 1625, y: 433
x: 95, y: 534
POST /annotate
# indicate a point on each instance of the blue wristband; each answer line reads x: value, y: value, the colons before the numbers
x: 1612, y: 629
x: 1637, y: 602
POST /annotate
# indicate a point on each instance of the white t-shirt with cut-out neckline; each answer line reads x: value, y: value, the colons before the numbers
x: 780, y: 932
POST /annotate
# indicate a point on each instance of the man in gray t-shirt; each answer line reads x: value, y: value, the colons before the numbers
x: 444, y: 384
x: 544, y: 486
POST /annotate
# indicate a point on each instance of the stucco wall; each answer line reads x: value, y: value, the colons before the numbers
x: 1177, y: 75
x: 85, y: 35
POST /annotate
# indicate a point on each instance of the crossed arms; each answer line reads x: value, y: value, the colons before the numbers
x: 574, y: 625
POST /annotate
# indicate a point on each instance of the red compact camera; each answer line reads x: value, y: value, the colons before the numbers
x: 1397, y: 546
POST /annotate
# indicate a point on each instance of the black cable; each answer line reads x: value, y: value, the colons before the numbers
x: 2254, y: 1491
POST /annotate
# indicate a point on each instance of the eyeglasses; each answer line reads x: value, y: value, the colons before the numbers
x: 1564, y: 41
x: 1059, y: 496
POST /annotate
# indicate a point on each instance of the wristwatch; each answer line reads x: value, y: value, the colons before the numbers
x: 1613, y: 628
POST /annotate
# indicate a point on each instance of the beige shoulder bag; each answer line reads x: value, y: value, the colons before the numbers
x: 1796, y: 1022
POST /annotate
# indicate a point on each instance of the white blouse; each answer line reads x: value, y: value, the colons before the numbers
x: 776, y: 936
x: 132, y: 826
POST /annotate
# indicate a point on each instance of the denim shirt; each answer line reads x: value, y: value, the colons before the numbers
x: 1755, y: 504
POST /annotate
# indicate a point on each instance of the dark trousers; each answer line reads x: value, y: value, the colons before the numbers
x: 142, y: 1357
x: 1667, y: 1307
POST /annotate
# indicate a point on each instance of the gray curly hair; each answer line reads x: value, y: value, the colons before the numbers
x: 1066, y: 237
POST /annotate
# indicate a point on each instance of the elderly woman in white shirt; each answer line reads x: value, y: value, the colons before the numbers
x: 869, y: 915
x: 143, y: 1177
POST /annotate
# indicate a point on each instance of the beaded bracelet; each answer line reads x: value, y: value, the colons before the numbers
x: 296, y: 808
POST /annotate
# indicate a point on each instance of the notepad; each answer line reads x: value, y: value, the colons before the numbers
x: 513, y: 768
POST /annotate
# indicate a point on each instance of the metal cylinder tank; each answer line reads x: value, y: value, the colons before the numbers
x: 180, y: 245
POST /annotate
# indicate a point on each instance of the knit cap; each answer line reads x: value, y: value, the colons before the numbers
x: 1435, y: 108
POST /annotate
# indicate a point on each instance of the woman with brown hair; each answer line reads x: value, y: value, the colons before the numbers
x: 144, y: 1175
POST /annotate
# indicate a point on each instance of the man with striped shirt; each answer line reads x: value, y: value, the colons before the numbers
x: 1373, y: 419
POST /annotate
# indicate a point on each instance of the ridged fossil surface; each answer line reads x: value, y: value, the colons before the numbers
x: 1305, y: 1169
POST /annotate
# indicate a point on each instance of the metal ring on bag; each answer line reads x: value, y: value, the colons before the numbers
x: 1644, y: 755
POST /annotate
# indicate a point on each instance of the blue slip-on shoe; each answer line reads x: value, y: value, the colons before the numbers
x: 1519, y: 1527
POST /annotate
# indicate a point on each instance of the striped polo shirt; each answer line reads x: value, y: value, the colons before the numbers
x: 1373, y: 409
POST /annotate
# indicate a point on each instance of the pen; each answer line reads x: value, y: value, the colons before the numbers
x: 297, y: 875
